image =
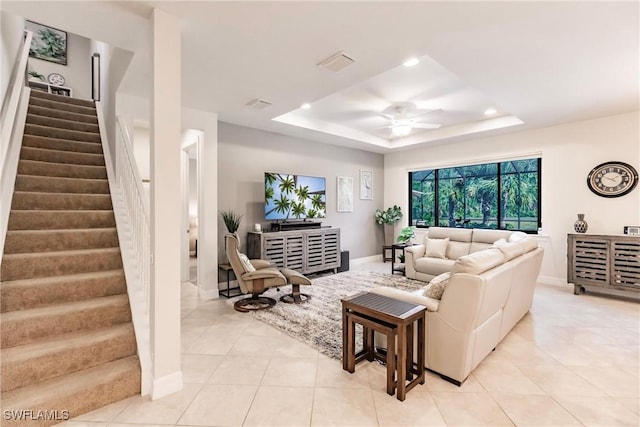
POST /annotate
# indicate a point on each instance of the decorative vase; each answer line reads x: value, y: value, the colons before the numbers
x: 388, y: 234
x: 580, y: 225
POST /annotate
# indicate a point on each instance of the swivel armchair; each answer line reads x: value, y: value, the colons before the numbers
x: 254, y: 277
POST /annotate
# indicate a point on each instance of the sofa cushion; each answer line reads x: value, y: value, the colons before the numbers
x: 437, y: 285
x: 529, y: 244
x: 457, y: 234
x: 517, y: 236
x: 436, y: 248
x: 434, y: 266
x: 481, y: 235
x: 478, y: 262
x: 457, y: 249
x: 499, y: 243
x: 510, y: 250
x: 248, y: 267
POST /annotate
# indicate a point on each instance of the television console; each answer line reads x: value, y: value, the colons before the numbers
x: 307, y: 251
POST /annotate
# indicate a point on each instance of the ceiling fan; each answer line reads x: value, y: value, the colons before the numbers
x: 404, y: 117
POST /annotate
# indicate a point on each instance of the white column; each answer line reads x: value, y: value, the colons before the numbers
x: 165, y: 204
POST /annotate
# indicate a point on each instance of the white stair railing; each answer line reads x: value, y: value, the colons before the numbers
x: 131, y: 209
x: 12, y: 118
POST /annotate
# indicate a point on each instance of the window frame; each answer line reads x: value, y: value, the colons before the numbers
x: 498, y: 176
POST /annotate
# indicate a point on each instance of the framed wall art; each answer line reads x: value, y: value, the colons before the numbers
x: 345, y: 194
x: 48, y: 43
x: 366, y: 184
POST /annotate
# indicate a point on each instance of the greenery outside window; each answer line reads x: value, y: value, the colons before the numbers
x: 503, y: 195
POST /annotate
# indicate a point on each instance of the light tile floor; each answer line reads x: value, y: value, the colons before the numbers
x: 573, y: 360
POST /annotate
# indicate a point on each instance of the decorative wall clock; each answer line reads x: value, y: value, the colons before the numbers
x: 612, y: 179
x: 56, y: 79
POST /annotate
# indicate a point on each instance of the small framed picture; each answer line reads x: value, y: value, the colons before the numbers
x: 366, y: 184
x: 632, y: 230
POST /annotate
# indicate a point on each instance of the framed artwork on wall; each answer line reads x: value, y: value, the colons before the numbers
x: 48, y: 43
x: 366, y: 184
x: 345, y: 194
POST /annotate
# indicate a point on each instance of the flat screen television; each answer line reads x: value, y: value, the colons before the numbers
x: 294, y: 197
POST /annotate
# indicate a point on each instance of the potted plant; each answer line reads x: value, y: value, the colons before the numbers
x: 406, y: 234
x: 388, y: 218
x: 231, y: 220
x: 36, y: 75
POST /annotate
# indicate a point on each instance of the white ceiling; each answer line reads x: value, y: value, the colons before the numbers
x: 537, y: 63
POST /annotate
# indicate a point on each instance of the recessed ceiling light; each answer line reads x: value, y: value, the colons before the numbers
x: 411, y: 62
x: 490, y: 111
x: 305, y: 106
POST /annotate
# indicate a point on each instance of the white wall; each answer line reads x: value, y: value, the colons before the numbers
x: 569, y: 152
x: 245, y: 154
x: 12, y: 30
x: 77, y: 72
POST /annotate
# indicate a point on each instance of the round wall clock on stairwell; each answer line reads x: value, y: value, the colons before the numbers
x: 612, y: 179
x: 56, y: 79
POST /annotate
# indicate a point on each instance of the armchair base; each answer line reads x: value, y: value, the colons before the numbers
x: 253, y: 303
x: 295, y: 297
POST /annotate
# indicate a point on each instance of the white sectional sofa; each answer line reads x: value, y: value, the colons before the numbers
x: 487, y: 293
x: 420, y: 265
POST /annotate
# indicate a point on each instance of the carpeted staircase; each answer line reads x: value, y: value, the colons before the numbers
x: 67, y: 341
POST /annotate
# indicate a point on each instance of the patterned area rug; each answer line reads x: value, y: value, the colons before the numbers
x: 319, y: 321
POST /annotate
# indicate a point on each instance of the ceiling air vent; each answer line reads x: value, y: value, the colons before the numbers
x: 336, y: 62
x: 258, y: 104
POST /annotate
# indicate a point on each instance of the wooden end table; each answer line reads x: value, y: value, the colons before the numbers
x: 229, y: 292
x: 400, y: 247
x: 395, y: 319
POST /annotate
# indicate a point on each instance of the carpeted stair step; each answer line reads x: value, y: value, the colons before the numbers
x: 62, y: 99
x: 34, y: 167
x: 29, y: 326
x: 65, y: 354
x: 60, y: 201
x: 61, y: 144
x: 47, y: 184
x: 53, y: 122
x: 60, y: 219
x: 44, y: 264
x: 77, y: 393
x: 26, y: 241
x: 62, y: 106
x: 58, y: 156
x: 31, y: 293
x: 60, y: 114
x: 31, y: 129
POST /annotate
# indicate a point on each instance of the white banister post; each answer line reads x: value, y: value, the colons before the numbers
x: 165, y: 204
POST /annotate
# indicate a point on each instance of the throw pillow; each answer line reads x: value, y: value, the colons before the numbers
x: 436, y: 248
x: 437, y: 285
x: 248, y: 267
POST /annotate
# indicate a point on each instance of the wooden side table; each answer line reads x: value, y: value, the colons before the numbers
x: 229, y: 292
x: 393, y: 318
x: 386, y: 248
x: 398, y: 247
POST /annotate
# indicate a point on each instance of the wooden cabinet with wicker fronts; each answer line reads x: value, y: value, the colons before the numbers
x: 605, y: 264
x: 306, y: 251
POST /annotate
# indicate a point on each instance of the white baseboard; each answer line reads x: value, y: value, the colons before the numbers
x: 166, y: 385
x: 548, y: 280
x: 373, y: 258
x: 208, y: 294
